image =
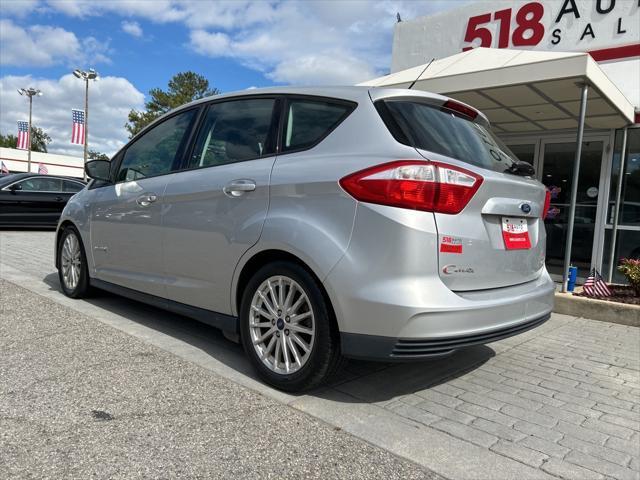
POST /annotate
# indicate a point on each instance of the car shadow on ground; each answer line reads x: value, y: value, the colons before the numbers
x: 356, y: 382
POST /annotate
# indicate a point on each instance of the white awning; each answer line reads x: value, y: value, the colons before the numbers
x: 522, y: 90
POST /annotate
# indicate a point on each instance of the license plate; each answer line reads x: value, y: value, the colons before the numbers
x: 515, y: 233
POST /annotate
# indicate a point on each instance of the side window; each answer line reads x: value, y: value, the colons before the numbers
x: 234, y: 131
x: 69, y: 186
x: 41, y: 184
x: 154, y: 152
x: 310, y: 120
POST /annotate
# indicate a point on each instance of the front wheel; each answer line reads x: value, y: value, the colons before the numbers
x: 287, y: 329
x: 72, y: 271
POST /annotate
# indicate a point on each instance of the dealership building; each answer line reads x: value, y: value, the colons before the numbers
x: 540, y: 70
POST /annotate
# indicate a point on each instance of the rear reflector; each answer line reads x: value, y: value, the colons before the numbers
x: 547, y: 204
x: 414, y: 184
x: 460, y: 108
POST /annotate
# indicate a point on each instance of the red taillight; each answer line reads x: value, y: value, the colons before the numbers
x: 460, y: 108
x: 547, y: 203
x: 414, y: 184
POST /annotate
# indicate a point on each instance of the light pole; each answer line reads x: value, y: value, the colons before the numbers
x: 90, y: 74
x: 29, y: 92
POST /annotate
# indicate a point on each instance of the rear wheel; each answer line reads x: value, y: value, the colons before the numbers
x: 287, y: 329
x: 72, y: 271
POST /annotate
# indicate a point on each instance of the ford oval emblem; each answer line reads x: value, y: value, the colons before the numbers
x: 525, y: 207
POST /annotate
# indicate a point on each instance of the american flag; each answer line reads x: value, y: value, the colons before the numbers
x: 595, y: 286
x: 3, y: 169
x: 77, y: 132
x: 42, y: 169
x: 23, y: 136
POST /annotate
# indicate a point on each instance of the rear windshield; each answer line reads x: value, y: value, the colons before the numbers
x: 442, y: 131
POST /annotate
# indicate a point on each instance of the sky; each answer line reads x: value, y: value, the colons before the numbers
x: 139, y: 45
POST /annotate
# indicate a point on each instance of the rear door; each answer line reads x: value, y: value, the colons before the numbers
x: 215, y: 209
x: 477, y: 248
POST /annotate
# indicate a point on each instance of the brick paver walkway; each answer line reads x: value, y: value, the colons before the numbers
x: 563, y: 398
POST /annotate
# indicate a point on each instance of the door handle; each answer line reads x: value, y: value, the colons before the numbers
x: 146, y: 199
x: 59, y: 199
x: 236, y: 188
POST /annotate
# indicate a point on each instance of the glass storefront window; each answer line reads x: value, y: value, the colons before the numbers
x: 557, y: 176
x: 627, y: 246
x: 525, y: 152
x: 628, y: 234
x: 630, y: 197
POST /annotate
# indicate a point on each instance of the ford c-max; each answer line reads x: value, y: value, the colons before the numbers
x: 317, y: 224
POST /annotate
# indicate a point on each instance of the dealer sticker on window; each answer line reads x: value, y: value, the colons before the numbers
x: 515, y: 233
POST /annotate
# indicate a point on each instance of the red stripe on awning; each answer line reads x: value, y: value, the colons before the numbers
x: 615, y: 52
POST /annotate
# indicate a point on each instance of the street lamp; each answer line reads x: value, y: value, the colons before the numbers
x: 29, y: 92
x: 90, y: 74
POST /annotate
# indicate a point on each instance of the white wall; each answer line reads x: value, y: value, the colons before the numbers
x: 417, y: 41
x: 16, y: 161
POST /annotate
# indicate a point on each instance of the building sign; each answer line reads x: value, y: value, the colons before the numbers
x: 524, y: 27
x: 610, y: 29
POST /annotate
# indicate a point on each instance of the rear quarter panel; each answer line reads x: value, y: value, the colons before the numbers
x: 310, y: 216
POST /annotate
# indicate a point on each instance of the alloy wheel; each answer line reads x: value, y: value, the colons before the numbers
x: 71, y: 260
x: 282, y: 324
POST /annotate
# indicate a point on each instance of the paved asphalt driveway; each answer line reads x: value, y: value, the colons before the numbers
x: 112, y: 386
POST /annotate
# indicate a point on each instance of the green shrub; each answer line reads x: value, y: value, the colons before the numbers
x: 630, y: 268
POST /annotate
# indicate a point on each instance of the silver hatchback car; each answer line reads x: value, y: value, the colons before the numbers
x: 317, y: 224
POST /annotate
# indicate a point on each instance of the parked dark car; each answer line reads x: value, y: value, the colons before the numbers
x: 32, y: 200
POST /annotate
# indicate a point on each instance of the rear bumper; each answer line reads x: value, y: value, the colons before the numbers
x: 371, y: 347
x: 389, y: 298
x: 449, y: 321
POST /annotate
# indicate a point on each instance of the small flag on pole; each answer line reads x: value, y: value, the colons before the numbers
x: 23, y: 136
x: 42, y: 169
x: 595, y: 286
x: 3, y: 169
x: 77, y: 132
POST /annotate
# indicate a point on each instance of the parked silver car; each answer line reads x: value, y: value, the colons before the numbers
x: 318, y: 224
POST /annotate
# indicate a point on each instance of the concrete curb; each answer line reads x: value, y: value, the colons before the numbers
x: 612, y: 312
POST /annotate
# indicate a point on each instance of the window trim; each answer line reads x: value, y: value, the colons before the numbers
x: 72, y: 181
x: 277, y: 130
x: 311, y: 98
x: 179, y: 152
x: 276, y: 114
x: 7, y: 187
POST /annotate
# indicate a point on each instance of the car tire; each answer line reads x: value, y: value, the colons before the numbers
x: 260, y: 314
x: 73, y: 270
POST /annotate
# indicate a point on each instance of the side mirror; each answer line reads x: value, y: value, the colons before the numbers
x: 15, y: 187
x: 99, y: 170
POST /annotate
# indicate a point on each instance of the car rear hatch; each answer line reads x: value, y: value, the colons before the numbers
x: 497, y: 237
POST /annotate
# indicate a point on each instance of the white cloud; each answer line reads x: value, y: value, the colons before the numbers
x: 110, y: 100
x: 322, y: 69
x: 18, y: 8
x: 43, y: 45
x: 292, y: 41
x: 132, y: 28
x: 312, y: 42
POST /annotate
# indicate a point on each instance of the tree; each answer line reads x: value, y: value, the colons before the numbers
x: 39, y: 141
x: 184, y: 87
x: 95, y: 155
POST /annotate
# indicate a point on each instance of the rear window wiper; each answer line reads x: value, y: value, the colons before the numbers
x: 521, y: 168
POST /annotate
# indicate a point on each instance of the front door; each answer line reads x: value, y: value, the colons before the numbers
x: 557, y: 174
x: 126, y: 221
